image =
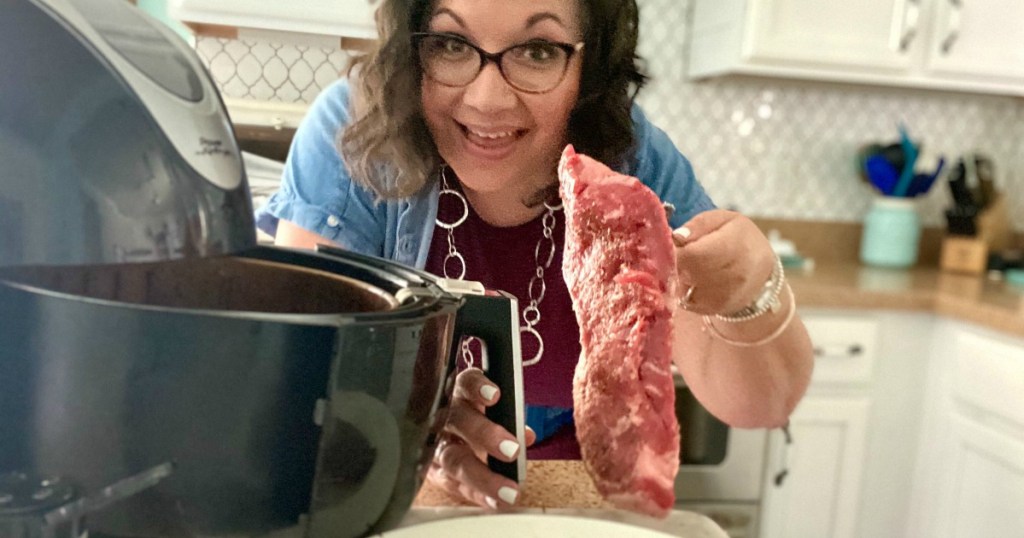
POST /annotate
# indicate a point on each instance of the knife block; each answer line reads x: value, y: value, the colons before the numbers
x: 963, y: 254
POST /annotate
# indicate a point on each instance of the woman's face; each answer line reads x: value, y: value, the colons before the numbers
x: 498, y: 139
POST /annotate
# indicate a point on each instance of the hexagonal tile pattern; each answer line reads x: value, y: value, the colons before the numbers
x: 769, y: 147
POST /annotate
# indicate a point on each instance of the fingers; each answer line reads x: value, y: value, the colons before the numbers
x: 473, y: 386
x: 701, y: 225
x: 474, y: 392
x: 463, y: 469
x: 722, y: 259
x: 463, y: 472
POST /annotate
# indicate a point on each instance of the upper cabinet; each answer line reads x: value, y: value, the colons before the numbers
x: 334, y: 18
x: 978, y: 38
x: 959, y: 45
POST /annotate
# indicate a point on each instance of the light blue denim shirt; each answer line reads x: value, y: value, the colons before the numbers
x: 318, y: 195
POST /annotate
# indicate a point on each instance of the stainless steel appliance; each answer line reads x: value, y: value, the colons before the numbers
x: 722, y: 469
x: 160, y: 373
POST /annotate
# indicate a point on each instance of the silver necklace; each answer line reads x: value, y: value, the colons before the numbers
x: 537, y: 287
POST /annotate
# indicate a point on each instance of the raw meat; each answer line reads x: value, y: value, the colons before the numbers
x: 619, y: 265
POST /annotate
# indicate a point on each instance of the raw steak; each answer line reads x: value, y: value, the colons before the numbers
x: 619, y: 265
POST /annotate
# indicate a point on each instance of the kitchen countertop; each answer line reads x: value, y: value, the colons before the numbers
x: 993, y: 304
x: 562, y: 488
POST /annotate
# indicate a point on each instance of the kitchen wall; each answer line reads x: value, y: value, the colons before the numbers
x: 769, y: 147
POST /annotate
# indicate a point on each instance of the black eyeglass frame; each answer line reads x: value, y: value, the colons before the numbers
x: 495, y: 58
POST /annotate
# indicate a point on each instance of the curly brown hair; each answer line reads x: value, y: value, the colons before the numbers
x: 388, y: 148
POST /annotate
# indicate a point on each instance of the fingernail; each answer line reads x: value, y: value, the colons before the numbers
x: 509, y: 448
x: 508, y: 494
x: 492, y: 503
x: 683, y: 233
x: 529, y: 429
x: 488, y: 392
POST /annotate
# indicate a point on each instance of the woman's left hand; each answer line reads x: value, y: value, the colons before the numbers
x: 723, y: 261
x: 460, y: 463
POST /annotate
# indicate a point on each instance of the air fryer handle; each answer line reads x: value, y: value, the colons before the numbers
x: 493, y: 318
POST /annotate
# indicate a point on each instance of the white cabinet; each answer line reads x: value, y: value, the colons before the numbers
x: 333, y: 18
x: 971, y: 45
x: 855, y: 433
x: 970, y: 475
x: 855, y: 33
x: 981, y: 487
x: 820, y: 493
x: 978, y: 38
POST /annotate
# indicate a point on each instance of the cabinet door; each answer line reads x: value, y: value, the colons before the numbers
x: 819, y: 496
x: 979, y: 38
x: 875, y: 34
x: 349, y: 18
x: 981, y: 486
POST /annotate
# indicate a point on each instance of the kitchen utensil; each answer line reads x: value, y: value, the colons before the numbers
x: 984, y: 188
x: 922, y: 183
x: 910, y: 153
x: 881, y: 174
x: 959, y: 191
x: 290, y: 391
x: 863, y: 154
x: 894, y: 154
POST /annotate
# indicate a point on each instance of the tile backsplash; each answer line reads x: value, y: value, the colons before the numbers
x: 771, y: 148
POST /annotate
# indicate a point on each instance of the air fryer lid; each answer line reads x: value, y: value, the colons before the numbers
x: 114, y: 145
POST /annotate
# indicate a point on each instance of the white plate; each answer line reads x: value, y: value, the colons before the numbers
x: 523, y: 526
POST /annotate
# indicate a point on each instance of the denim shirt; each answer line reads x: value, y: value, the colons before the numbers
x: 318, y: 195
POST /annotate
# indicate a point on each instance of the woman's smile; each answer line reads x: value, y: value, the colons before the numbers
x: 490, y: 143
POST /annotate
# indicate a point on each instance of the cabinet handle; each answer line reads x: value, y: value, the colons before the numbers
x: 851, y: 350
x: 953, y: 28
x: 785, y: 461
x: 910, y: 11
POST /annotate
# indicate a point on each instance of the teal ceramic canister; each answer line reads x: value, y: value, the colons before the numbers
x: 892, y: 232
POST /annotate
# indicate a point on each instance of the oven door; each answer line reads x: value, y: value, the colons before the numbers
x: 721, y: 468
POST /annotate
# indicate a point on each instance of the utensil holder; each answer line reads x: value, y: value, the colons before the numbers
x: 892, y: 233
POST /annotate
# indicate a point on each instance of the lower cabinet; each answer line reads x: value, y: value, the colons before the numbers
x: 819, y: 494
x: 970, y: 474
x: 912, y: 427
x: 980, y: 491
x: 822, y: 468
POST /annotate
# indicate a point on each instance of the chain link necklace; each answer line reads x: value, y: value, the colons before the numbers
x: 543, y: 254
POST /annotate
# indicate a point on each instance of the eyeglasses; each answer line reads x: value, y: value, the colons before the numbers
x: 537, y: 66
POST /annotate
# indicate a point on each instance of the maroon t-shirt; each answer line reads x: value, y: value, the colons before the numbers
x: 503, y: 258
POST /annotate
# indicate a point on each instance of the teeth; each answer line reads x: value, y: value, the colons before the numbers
x: 492, y: 136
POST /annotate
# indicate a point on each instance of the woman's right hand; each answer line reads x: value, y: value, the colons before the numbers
x: 460, y: 463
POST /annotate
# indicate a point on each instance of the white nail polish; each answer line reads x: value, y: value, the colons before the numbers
x: 492, y: 503
x: 508, y: 494
x: 509, y: 448
x: 488, y: 392
x: 683, y: 232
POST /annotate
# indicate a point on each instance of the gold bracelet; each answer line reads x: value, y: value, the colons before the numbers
x: 775, y: 334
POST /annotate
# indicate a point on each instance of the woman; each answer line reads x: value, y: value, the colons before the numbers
x: 442, y: 155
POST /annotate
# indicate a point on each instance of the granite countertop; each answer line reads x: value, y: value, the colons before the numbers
x: 993, y: 304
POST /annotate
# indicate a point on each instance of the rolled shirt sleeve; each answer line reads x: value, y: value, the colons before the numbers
x: 317, y: 193
x: 660, y: 166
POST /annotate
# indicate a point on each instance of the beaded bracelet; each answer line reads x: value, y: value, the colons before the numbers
x: 775, y: 334
x: 768, y: 300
